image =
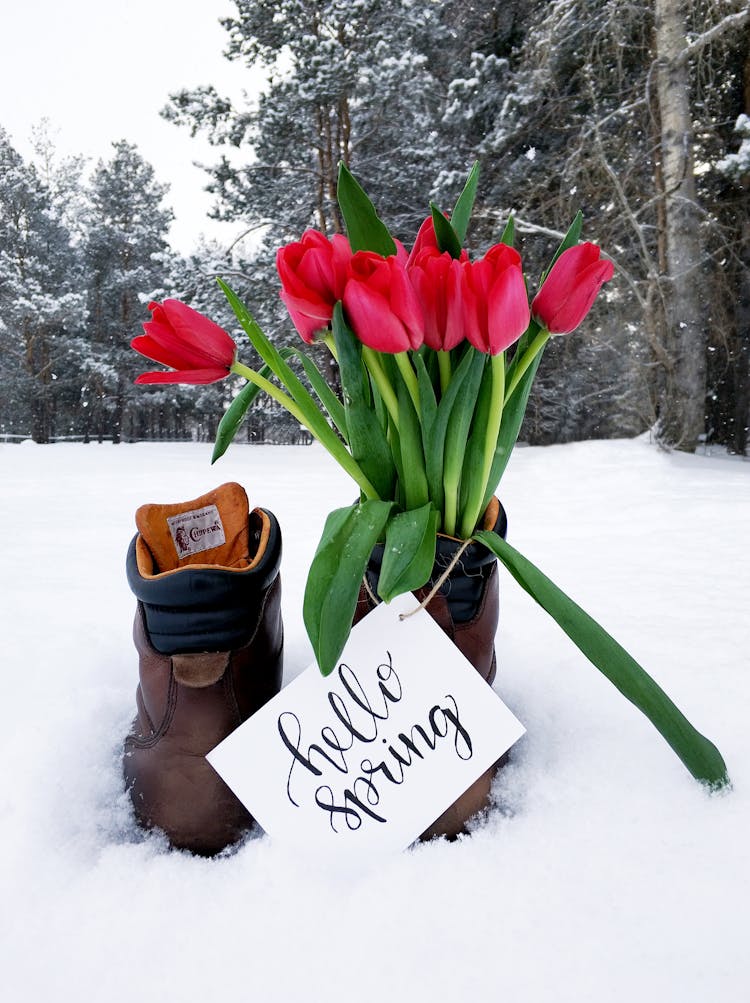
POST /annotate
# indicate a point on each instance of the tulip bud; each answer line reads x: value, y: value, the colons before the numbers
x: 570, y: 289
x: 198, y: 350
x: 496, y: 307
x: 426, y: 239
x: 438, y: 281
x: 381, y: 304
x: 313, y: 272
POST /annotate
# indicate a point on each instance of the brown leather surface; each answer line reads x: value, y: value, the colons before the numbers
x: 199, y: 669
x: 172, y: 785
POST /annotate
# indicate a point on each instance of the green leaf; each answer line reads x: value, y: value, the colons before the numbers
x: 325, y: 395
x: 473, y: 463
x: 367, y: 440
x: 232, y: 418
x: 412, y: 451
x: 457, y: 432
x: 509, y: 233
x: 447, y: 238
x: 395, y: 443
x: 275, y: 360
x: 513, y: 412
x: 427, y: 400
x: 336, y: 574
x: 699, y: 755
x: 462, y: 211
x: 365, y: 229
x: 435, y: 433
x: 409, y: 556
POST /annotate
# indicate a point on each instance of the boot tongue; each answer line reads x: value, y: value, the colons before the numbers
x: 212, y: 529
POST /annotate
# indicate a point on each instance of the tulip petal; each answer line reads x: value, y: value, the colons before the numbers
x: 571, y: 287
x: 309, y: 304
x: 306, y: 324
x: 162, y: 345
x: 312, y: 272
x: 454, y: 315
x: 405, y: 304
x: 200, y: 333
x: 154, y: 350
x: 184, y: 376
x: 581, y: 298
x: 425, y: 238
x: 508, y: 311
x: 372, y: 320
x: 471, y: 318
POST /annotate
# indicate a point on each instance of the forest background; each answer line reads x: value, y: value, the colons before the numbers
x: 637, y: 114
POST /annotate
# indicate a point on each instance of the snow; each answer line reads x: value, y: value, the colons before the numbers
x: 603, y: 873
x: 735, y: 165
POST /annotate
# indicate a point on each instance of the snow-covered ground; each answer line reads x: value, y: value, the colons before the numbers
x: 604, y: 874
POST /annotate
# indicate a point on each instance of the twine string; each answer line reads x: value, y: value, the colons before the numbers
x: 369, y: 591
x: 433, y: 591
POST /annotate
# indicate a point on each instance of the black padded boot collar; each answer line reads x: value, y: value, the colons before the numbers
x: 205, y: 609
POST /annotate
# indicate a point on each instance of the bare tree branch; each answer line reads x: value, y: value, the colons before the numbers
x: 726, y: 24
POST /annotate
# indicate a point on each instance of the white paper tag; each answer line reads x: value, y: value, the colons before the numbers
x: 364, y: 761
x: 195, y: 531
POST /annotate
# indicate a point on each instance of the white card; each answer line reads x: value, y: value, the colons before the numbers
x: 364, y: 761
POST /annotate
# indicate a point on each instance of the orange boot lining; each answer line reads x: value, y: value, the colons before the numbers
x: 157, y: 555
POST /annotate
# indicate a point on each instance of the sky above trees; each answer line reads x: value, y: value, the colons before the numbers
x: 101, y: 73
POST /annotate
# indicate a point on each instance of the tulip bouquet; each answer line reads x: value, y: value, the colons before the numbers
x: 431, y: 406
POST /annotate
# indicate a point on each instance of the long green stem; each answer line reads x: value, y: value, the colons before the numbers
x: 473, y: 508
x: 450, y: 489
x: 444, y: 365
x: 410, y: 379
x: 372, y: 361
x: 330, y: 442
x: 531, y: 353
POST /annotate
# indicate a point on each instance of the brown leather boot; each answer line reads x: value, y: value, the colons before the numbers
x: 466, y: 609
x: 209, y: 635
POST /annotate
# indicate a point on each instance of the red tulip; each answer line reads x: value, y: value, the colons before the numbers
x: 438, y: 281
x: 313, y: 272
x: 425, y: 240
x: 570, y: 288
x: 198, y: 350
x: 381, y: 304
x: 496, y: 307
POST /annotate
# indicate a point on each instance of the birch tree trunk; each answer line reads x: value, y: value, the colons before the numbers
x: 742, y: 363
x: 683, y: 409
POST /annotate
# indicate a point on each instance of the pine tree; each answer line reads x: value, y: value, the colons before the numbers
x: 347, y: 82
x: 126, y: 259
x: 41, y: 302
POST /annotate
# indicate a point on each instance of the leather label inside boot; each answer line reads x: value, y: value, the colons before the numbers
x: 193, y: 532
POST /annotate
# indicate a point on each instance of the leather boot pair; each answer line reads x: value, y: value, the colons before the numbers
x: 209, y: 637
x: 466, y: 609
